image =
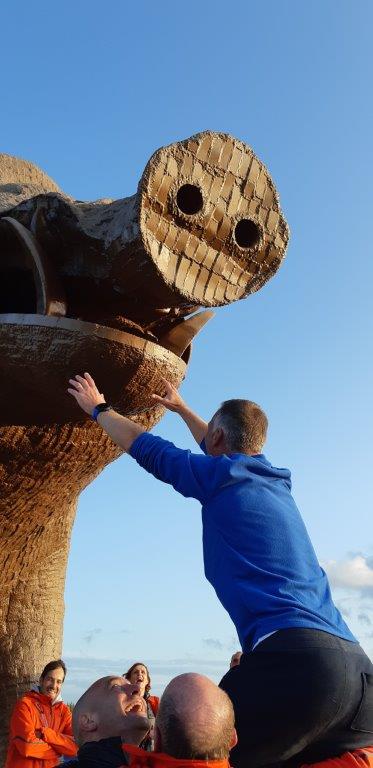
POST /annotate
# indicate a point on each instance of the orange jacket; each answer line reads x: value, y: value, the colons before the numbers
x: 138, y: 758
x: 154, y: 703
x: 40, y: 732
x: 359, y: 758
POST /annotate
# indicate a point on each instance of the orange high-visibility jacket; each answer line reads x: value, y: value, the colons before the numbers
x: 359, y: 758
x: 40, y: 732
x: 138, y: 758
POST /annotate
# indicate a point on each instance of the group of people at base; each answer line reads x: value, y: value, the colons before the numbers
x: 109, y: 727
x: 41, y: 729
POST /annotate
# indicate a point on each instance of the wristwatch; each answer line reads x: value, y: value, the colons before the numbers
x: 100, y: 408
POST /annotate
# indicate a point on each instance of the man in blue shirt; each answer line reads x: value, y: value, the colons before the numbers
x: 304, y: 688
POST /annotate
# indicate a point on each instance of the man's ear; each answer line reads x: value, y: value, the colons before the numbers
x: 87, y: 723
x: 234, y: 739
x: 217, y: 436
x: 157, y: 739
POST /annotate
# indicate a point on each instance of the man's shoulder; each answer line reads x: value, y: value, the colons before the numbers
x: 29, y: 697
x: 138, y: 758
x: 148, y: 444
x: 26, y: 702
x: 106, y: 751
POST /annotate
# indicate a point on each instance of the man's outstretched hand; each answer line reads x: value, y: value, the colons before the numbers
x: 122, y: 431
x: 174, y: 402
x: 86, y: 394
x: 171, y: 399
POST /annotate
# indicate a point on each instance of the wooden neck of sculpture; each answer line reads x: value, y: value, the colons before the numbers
x: 42, y: 471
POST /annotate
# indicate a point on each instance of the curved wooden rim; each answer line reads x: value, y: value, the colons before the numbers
x: 91, y: 329
x: 51, y: 299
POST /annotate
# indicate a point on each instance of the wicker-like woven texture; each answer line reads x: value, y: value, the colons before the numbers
x: 201, y: 253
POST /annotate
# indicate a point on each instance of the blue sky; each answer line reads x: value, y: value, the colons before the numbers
x: 90, y: 90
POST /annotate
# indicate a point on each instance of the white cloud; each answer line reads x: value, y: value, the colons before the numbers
x: 91, y: 635
x: 364, y: 619
x: 214, y: 643
x: 344, y: 610
x: 353, y: 573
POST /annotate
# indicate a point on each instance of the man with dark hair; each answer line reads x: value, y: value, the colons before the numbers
x: 53, y: 681
x: 303, y: 691
x: 40, y: 725
x: 244, y: 424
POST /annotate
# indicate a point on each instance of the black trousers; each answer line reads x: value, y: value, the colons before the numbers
x: 301, y: 696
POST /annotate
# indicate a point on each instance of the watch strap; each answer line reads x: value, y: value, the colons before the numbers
x: 100, y: 408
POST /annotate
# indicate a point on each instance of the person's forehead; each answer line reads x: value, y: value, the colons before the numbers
x: 115, y: 680
x: 139, y: 666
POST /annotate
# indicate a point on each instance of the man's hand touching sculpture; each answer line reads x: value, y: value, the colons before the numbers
x: 86, y: 394
x: 122, y: 431
x: 173, y: 401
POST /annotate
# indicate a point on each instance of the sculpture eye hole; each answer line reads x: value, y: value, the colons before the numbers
x: 189, y: 199
x: 246, y: 233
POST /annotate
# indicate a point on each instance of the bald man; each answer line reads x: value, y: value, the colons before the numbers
x: 194, y: 727
x: 110, y: 712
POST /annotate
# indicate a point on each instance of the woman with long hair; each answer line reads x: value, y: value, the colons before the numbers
x: 138, y: 674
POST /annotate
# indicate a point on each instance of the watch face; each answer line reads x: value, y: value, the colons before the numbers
x: 100, y: 409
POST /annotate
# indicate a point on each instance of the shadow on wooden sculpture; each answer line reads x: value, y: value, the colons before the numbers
x: 111, y: 287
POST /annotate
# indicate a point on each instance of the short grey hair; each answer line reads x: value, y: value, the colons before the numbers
x: 244, y: 424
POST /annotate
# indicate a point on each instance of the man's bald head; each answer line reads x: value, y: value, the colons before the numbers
x: 195, y: 720
x: 112, y: 706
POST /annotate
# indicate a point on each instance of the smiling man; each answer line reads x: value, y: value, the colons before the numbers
x: 40, y: 726
x: 111, y: 712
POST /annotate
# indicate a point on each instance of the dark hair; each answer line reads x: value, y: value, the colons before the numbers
x: 53, y: 665
x: 245, y: 425
x: 127, y: 675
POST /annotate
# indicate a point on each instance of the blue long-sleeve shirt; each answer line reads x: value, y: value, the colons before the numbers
x: 257, y: 552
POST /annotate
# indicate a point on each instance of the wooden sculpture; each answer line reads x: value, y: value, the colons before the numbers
x: 109, y: 287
